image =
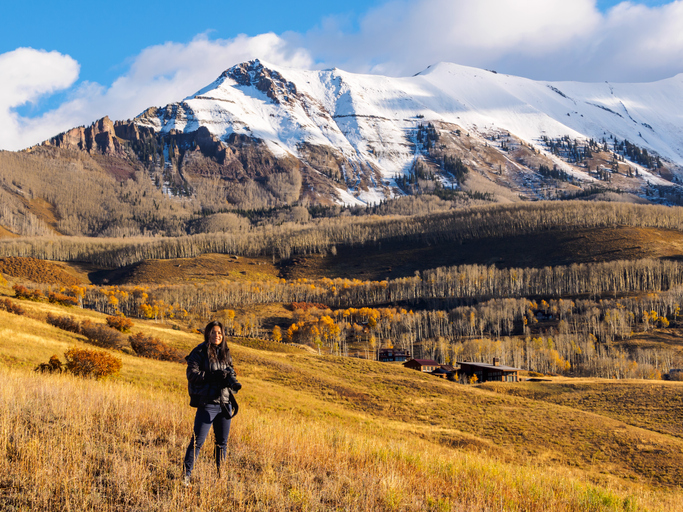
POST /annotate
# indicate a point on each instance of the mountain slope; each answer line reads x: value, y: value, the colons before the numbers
x: 333, y: 136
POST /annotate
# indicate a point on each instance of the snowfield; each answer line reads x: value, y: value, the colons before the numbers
x: 371, y: 119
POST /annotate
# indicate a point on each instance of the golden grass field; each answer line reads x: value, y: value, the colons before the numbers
x: 326, y: 433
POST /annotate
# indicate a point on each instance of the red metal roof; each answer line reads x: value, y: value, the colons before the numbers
x: 425, y: 362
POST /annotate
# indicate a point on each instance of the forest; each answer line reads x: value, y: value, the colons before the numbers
x: 578, y: 320
x: 286, y: 239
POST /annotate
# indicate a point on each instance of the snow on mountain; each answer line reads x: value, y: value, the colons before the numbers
x: 371, y: 120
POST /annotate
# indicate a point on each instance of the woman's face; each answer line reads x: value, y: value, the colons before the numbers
x: 215, y: 335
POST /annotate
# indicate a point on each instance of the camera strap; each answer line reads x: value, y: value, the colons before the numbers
x: 233, y: 406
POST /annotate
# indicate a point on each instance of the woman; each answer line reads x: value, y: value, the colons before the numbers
x: 211, y: 383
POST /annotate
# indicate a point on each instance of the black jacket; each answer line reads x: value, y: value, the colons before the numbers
x: 203, y: 380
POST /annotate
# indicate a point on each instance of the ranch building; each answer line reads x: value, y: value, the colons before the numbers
x: 422, y: 365
x: 387, y: 355
x: 489, y: 372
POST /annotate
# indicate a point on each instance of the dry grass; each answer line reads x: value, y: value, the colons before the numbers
x: 655, y: 405
x: 271, y: 314
x: 86, y: 445
x: 671, y: 338
x: 513, y: 428
x: 41, y: 271
x: 204, y: 268
x: 5, y: 233
x: 313, y: 433
x: 207, y: 267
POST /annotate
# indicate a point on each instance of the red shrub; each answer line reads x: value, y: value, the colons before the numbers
x: 154, y: 348
x: 66, y: 323
x: 101, y: 335
x: 53, y: 366
x: 120, y: 323
x: 11, y: 307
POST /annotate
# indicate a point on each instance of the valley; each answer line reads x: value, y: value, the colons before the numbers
x: 583, y: 296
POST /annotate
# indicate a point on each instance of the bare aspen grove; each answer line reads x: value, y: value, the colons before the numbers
x: 286, y: 239
x: 565, y: 320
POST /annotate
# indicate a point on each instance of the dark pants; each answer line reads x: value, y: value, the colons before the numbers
x: 207, y: 415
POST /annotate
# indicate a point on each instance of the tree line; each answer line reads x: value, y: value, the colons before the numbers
x: 289, y: 239
x: 445, y: 287
x: 578, y: 335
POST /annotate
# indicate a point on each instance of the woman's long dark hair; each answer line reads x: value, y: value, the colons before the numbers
x: 222, y: 352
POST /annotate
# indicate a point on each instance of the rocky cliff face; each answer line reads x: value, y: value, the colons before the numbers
x: 99, y: 137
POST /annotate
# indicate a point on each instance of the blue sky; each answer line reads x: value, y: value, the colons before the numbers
x: 101, y: 36
x: 68, y: 63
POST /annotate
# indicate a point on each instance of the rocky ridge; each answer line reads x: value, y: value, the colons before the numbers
x: 345, y: 138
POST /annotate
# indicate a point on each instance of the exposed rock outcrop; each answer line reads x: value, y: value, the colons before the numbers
x: 268, y: 81
x: 99, y: 137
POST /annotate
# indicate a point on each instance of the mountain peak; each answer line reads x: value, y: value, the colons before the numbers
x: 265, y: 79
x: 365, y: 137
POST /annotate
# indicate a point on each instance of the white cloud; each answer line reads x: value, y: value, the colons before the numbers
x: 644, y: 42
x: 402, y: 37
x: 541, y: 39
x: 27, y: 75
x: 157, y: 76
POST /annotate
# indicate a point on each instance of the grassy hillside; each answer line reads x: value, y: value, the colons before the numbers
x: 201, y: 269
x: 41, y: 271
x: 321, y: 433
x: 656, y: 406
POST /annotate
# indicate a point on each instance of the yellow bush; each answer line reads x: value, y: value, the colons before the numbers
x: 91, y: 363
x: 60, y: 298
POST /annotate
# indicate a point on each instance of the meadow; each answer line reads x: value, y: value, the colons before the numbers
x: 324, y: 433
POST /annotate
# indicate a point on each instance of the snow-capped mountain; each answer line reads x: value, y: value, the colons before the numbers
x: 360, y: 138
